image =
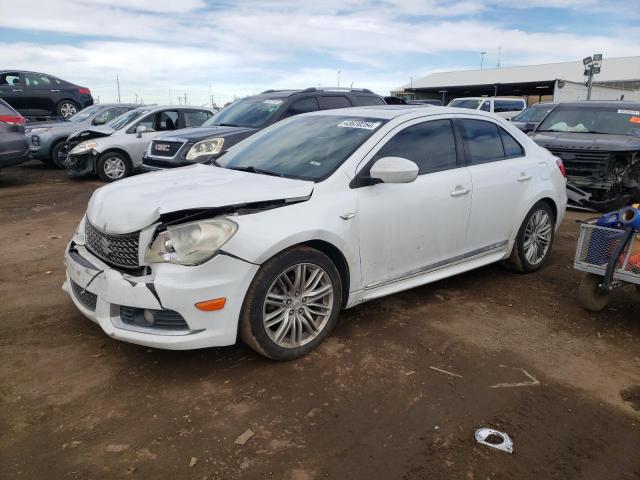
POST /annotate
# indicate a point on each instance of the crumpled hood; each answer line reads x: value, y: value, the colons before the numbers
x: 591, y: 141
x: 93, y: 132
x: 201, y: 133
x: 134, y: 203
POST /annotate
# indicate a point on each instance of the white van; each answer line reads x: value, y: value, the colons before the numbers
x: 503, y: 107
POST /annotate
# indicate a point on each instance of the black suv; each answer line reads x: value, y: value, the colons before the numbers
x: 242, y: 119
x: 599, y: 144
x: 38, y: 95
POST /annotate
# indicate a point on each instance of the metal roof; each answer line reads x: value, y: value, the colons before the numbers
x: 613, y: 69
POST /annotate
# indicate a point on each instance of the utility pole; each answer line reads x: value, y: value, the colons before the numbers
x: 482, y: 54
x: 118, y: 82
x: 499, y: 55
x: 170, y: 99
x: 136, y: 98
x: 338, y: 78
x: 185, y: 98
x: 411, y: 82
x: 592, y: 66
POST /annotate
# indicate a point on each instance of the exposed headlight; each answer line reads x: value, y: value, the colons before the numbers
x: 205, y: 148
x: 191, y: 243
x: 36, y: 130
x: 83, y: 147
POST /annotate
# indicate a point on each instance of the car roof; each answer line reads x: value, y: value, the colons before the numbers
x: 488, y: 98
x: 601, y: 104
x: 153, y: 107
x: 134, y: 105
x: 311, y: 91
x: 388, y: 112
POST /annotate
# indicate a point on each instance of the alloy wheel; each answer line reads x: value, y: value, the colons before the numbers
x: 298, y: 305
x: 114, y: 167
x: 68, y: 109
x: 537, y: 237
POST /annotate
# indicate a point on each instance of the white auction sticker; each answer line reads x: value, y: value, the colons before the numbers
x: 359, y: 124
x: 273, y: 102
x: 630, y: 112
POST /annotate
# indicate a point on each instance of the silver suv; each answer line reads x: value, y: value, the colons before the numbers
x: 115, y: 150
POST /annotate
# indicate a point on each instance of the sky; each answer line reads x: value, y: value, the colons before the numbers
x: 163, y: 49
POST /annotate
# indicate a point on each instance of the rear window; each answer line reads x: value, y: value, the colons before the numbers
x: 329, y: 103
x: 365, y: 100
x: 471, y: 103
x: 508, y: 105
x: 5, y: 109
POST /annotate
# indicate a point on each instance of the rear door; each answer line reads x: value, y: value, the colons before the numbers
x: 503, y: 181
x: 156, y: 123
x: 330, y: 102
x: 408, y: 229
x: 302, y: 105
x: 40, y: 92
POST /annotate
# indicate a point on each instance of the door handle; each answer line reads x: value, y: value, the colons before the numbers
x: 460, y: 191
x: 17, y: 89
x: 524, y: 177
x: 55, y: 90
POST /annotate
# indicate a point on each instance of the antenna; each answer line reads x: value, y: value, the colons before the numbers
x: 118, y: 82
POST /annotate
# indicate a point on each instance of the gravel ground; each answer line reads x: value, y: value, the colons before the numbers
x: 366, y: 405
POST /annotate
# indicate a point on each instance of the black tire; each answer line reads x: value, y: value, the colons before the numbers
x: 104, y: 162
x: 67, y: 108
x: 590, y: 295
x: 55, y: 152
x: 517, y: 261
x: 252, y: 329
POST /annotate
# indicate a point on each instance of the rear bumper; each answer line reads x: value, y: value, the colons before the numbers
x: 14, y: 150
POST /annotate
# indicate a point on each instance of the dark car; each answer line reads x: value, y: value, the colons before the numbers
x: 599, y: 143
x: 37, y: 95
x: 528, y: 119
x: 14, y: 148
x: 47, y: 139
x: 425, y: 101
x: 242, y: 119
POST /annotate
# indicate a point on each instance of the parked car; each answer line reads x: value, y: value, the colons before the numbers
x: 14, y: 148
x: 244, y: 118
x: 599, y: 143
x: 316, y: 213
x: 47, y: 139
x: 115, y: 150
x: 503, y: 107
x: 427, y: 101
x: 38, y: 94
x: 530, y: 117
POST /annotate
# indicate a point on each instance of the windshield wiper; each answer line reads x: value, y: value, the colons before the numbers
x: 227, y: 125
x: 252, y: 169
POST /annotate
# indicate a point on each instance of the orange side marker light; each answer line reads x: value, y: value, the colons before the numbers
x: 212, y: 305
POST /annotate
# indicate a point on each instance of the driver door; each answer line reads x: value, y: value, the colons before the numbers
x: 406, y: 229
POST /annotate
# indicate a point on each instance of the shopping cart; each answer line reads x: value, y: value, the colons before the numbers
x: 610, y: 258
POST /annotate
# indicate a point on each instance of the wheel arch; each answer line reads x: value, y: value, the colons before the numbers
x: 120, y: 151
x: 338, y: 259
x: 552, y: 204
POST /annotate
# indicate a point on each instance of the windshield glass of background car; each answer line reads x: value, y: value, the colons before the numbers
x: 531, y: 114
x: 126, y: 118
x: 248, y: 112
x: 85, y: 113
x: 613, y: 120
x: 308, y: 147
x: 472, y: 104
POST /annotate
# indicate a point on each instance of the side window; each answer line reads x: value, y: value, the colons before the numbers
x: 195, y: 118
x: 148, y: 121
x: 486, y: 106
x: 508, y: 105
x: 10, y: 78
x: 303, y: 105
x: 482, y: 140
x: 364, y: 100
x: 110, y: 114
x: 36, y: 80
x: 167, y: 120
x: 431, y: 145
x: 511, y: 146
x: 329, y: 103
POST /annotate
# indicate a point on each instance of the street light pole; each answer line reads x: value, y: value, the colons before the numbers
x: 443, y: 92
x: 482, y: 54
x: 592, y: 67
x: 338, y: 78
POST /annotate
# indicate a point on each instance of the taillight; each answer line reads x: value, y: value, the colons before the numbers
x: 12, y: 119
x: 563, y: 170
x: 84, y: 91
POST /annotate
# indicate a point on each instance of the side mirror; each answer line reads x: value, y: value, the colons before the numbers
x: 394, y: 170
x: 528, y: 127
x: 99, y: 121
x: 140, y: 129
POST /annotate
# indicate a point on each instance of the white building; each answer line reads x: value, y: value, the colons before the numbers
x: 619, y: 78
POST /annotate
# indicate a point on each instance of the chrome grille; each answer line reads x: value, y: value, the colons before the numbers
x: 87, y: 299
x: 162, y: 319
x: 116, y: 250
x: 161, y: 148
x: 583, y: 163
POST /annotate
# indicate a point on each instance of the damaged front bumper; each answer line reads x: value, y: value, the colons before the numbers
x: 157, y: 309
x: 78, y: 165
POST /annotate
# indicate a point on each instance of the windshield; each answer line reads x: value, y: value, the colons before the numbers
x: 307, y: 147
x: 85, y: 113
x: 124, y: 119
x: 248, y: 112
x: 465, y: 103
x: 607, y: 120
x: 532, y: 114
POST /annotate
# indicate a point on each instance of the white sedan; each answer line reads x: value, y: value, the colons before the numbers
x: 316, y: 213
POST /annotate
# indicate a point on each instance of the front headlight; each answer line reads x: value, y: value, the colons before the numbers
x: 83, y: 147
x: 204, y: 148
x: 37, y: 130
x: 191, y: 243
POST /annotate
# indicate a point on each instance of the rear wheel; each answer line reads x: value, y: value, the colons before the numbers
x: 534, y: 240
x: 67, y: 108
x: 590, y: 295
x: 292, y: 305
x: 112, y: 166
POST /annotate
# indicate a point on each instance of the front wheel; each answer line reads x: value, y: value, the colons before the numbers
x: 534, y: 240
x: 112, y: 166
x: 292, y: 304
x: 591, y: 296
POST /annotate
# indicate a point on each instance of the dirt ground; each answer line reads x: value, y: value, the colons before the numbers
x: 366, y: 405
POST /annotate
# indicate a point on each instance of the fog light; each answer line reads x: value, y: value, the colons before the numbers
x: 148, y: 318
